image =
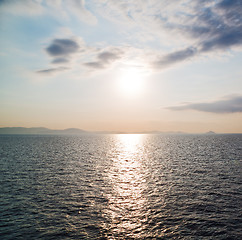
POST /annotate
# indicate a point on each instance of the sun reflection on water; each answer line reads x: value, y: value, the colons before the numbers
x: 127, y: 201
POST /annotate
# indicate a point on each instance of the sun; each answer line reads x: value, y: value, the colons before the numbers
x: 131, y: 82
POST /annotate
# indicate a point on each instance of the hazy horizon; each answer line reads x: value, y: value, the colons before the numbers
x: 122, y: 66
x: 25, y: 130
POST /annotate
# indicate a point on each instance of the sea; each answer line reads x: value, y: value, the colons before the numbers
x: 121, y: 186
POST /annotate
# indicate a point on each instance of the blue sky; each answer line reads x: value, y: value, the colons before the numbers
x: 122, y: 65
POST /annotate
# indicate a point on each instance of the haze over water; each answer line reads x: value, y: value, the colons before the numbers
x: 123, y: 186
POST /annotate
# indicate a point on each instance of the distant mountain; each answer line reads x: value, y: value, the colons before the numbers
x: 210, y: 132
x: 77, y: 131
x: 40, y: 130
x: 72, y: 131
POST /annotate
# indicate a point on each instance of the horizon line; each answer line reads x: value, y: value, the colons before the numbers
x: 111, y: 131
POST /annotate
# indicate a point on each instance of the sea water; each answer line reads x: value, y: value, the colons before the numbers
x: 127, y: 186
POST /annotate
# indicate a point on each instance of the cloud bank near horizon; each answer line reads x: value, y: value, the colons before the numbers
x: 231, y: 104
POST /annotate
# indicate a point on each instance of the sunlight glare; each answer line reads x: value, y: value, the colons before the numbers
x: 128, y: 183
x: 131, y: 82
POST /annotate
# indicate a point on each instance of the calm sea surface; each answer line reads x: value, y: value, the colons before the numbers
x: 121, y: 187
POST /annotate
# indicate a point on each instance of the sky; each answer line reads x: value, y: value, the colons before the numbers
x: 132, y: 66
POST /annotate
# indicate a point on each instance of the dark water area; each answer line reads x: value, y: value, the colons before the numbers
x: 121, y: 187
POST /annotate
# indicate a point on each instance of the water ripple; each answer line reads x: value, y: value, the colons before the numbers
x: 121, y: 187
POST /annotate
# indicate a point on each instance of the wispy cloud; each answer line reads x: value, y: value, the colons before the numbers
x: 218, y: 25
x: 203, y: 26
x: 189, y: 28
x: 78, y: 9
x: 174, y: 57
x: 105, y: 58
x: 64, y: 8
x: 51, y: 71
x: 24, y: 7
x: 60, y: 60
x: 231, y: 104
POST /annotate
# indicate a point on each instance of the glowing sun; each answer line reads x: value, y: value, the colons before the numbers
x: 131, y: 82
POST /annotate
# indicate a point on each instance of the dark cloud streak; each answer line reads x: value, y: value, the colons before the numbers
x: 60, y: 60
x: 228, y: 105
x: 96, y: 65
x: 51, y: 70
x: 104, y: 59
x: 175, y: 57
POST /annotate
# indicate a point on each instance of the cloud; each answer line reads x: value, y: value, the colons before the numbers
x: 23, y: 7
x: 194, y: 27
x: 214, y: 26
x: 65, y: 52
x: 175, y: 57
x: 95, y: 65
x: 50, y: 71
x: 105, y: 58
x: 109, y: 56
x: 62, y: 47
x: 231, y: 104
x: 62, y: 50
x: 222, y: 25
x: 64, y: 8
x: 60, y: 60
x: 78, y: 9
